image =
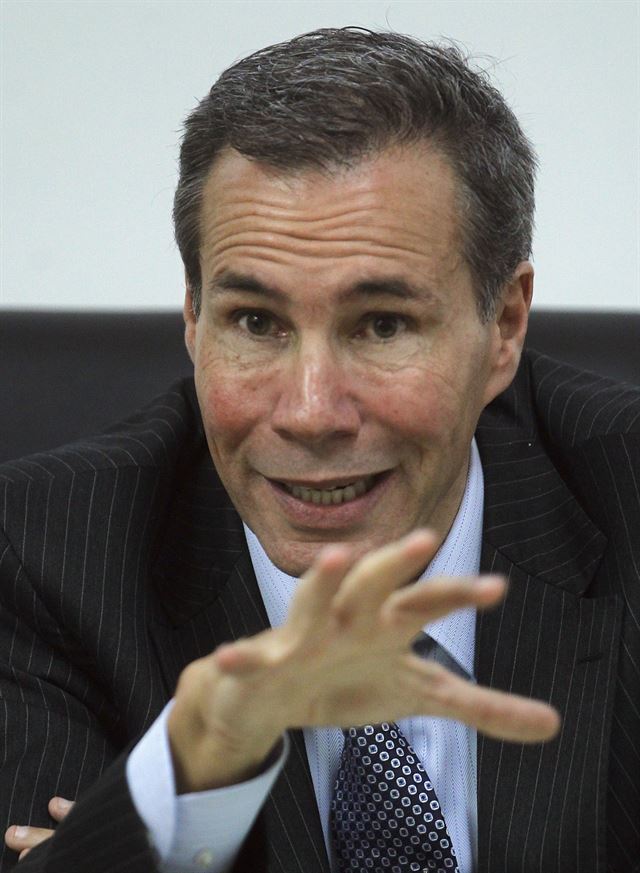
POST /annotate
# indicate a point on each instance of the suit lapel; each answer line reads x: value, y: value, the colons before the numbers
x: 542, y: 807
x: 208, y: 594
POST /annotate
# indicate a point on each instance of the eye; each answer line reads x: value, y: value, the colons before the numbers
x: 256, y: 322
x: 383, y: 325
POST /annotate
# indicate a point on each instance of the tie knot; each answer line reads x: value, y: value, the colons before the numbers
x: 370, y: 731
x: 378, y: 739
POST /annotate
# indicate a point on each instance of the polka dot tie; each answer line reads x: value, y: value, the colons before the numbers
x: 385, y: 816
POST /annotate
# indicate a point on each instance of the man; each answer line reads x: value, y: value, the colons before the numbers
x: 354, y: 213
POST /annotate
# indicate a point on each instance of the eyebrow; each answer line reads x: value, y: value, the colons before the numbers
x: 395, y: 288
x: 232, y: 281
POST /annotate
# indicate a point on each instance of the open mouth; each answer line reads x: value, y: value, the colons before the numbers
x: 335, y: 495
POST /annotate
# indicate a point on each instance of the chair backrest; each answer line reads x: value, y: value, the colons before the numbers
x: 64, y: 375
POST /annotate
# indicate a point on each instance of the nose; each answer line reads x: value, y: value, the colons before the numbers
x: 316, y: 402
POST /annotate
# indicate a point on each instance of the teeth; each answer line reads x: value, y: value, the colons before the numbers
x: 331, y: 496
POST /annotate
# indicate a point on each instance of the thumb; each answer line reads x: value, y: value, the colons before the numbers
x: 59, y: 807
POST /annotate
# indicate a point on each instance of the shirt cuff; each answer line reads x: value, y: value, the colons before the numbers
x: 200, y: 832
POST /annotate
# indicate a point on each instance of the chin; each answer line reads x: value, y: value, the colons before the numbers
x: 295, y: 559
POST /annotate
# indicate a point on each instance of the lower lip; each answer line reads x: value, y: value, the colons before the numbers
x: 333, y: 516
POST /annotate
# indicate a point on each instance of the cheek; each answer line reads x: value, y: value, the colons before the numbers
x: 223, y: 415
x: 232, y: 400
x: 416, y: 404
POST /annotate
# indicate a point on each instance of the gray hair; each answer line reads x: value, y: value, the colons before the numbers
x: 330, y: 98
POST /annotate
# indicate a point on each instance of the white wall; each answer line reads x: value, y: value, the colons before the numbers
x: 94, y: 93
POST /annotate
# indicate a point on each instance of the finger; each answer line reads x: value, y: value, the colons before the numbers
x: 319, y: 584
x: 253, y: 654
x: 59, y: 807
x: 495, y: 713
x: 240, y: 657
x: 379, y: 573
x: 20, y: 837
x: 408, y: 610
x: 309, y: 604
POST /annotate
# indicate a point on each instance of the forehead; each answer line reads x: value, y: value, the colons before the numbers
x: 396, y: 209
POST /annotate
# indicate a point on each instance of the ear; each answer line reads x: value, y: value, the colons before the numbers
x: 189, y: 321
x: 509, y: 329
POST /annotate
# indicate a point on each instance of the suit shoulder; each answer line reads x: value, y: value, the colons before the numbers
x: 152, y: 437
x: 576, y: 405
x: 118, y: 480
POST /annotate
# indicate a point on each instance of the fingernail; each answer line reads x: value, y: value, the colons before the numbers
x: 333, y: 549
x: 20, y: 832
x: 418, y: 535
x: 62, y: 804
x: 489, y: 581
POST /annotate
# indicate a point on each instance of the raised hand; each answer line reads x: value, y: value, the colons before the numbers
x: 344, y: 658
x: 23, y: 838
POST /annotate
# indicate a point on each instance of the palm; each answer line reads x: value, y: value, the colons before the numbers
x: 344, y: 655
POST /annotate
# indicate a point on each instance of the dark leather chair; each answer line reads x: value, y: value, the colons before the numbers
x: 64, y: 375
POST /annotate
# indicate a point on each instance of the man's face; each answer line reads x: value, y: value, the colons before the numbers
x: 340, y: 362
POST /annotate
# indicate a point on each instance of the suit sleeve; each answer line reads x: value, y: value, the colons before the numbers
x: 59, y: 735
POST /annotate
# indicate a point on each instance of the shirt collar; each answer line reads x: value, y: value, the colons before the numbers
x: 459, y: 555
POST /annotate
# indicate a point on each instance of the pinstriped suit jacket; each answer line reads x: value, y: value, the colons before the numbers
x: 122, y: 559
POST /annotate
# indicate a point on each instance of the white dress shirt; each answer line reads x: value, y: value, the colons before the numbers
x: 202, y: 833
